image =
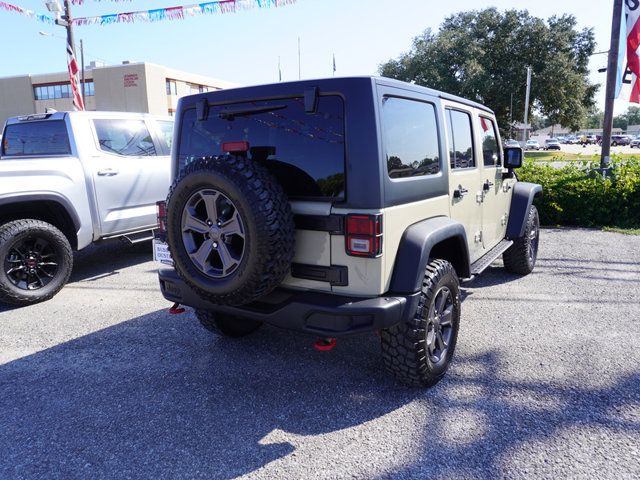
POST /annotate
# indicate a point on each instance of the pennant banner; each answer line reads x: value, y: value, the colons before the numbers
x: 27, y: 13
x: 179, y: 12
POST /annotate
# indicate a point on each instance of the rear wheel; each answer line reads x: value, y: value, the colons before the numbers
x: 521, y: 257
x: 36, y: 261
x: 227, y: 325
x: 418, y: 352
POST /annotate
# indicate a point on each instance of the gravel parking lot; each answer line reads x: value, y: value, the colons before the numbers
x: 103, y: 382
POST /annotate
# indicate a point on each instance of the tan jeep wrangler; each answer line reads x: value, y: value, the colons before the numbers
x: 341, y: 206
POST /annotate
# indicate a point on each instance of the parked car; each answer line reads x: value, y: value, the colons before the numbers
x: 511, y: 143
x: 551, y: 144
x: 267, y: 222
x: 532, y: 145
x: 592, y: 139
x: 68, y: 179
x: 620, y: 140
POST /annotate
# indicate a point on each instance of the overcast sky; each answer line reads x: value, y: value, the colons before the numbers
x: 244, y: 47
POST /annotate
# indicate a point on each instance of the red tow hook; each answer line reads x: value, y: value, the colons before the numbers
x: 325, y: 344
x: 176, y: 309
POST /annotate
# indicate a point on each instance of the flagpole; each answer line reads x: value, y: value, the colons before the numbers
x: 610, y: 92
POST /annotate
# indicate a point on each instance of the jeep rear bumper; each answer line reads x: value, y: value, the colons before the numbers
x: 311, y: 312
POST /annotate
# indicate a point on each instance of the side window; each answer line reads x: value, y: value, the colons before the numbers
x: 130, y: 138
x: 410, y: 136
x: 461, y: 147
x: 166, y: 130
x: 490, y: 146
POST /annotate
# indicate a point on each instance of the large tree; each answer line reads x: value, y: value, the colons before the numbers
x: 483, y: 55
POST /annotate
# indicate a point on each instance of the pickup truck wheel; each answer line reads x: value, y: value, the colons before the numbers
x: 418, y: 352
x: 227, y: 325
x: 36, y: 261
x: 229, y: 229
x: 521, y: 257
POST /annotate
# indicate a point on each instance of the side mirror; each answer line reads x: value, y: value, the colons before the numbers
x: 513, y: 157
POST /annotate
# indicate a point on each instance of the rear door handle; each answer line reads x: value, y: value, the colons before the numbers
x: 108, y: 172
x: 487, y: 185
x: 460, y: 192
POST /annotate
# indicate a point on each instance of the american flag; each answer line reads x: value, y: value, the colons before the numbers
x: 78, y: 104
x: 629, y: 45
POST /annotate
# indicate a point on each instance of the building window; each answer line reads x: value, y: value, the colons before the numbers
x: 89, y: 89
x: 172, y: 87
x: 62, y: 90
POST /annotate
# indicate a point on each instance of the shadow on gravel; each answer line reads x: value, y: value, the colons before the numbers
x: 159, y: 397
x: 106, y: 258
x: 502, y: 419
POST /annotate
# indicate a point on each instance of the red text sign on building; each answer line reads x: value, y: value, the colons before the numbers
x: 131, y: 80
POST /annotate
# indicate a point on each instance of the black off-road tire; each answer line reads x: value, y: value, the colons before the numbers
x: 267, y: 218
x: 521, y: 257
x: 12, y: 234
x: 405, y: 349
x: 227, y: 325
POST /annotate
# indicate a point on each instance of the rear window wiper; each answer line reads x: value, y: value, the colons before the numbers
x: 245, y: 112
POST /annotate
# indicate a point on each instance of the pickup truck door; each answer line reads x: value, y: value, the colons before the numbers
x: 129, y: 174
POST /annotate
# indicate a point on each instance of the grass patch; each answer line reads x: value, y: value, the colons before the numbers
x: 626, y: 231
x: 559, y: 156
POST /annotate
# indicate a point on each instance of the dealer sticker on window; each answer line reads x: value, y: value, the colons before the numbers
x: 161, y: 252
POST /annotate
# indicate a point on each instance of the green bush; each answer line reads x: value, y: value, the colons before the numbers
x: 577, y: 194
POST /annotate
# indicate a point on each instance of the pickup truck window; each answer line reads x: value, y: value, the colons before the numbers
x: 36, y: 138
x: 166, y: 129
x: 130, y: 138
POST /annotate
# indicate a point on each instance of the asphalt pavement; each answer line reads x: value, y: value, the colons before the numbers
x: 101, y: 382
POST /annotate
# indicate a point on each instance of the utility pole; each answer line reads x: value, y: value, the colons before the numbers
x: 66, y: 21
x: 610, y: 92
x: 526, y: 104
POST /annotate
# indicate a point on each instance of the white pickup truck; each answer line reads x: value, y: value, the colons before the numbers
x: 68, y: 179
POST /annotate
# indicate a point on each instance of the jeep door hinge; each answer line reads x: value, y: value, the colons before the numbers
x: 478, y: 237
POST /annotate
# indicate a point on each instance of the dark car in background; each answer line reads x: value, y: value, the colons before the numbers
x: 620, y: 140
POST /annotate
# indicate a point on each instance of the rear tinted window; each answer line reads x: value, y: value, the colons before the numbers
x: 305, y: 152
x: 36, y: 138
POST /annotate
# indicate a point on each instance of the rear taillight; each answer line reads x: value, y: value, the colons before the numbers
x: 364, y: 235
x: 161, y: 208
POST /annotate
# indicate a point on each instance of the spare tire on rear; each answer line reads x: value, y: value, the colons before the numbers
x: 230, y: 229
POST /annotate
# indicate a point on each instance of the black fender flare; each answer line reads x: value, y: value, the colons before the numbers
x: 523, y: 195
x: 415, y: 248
